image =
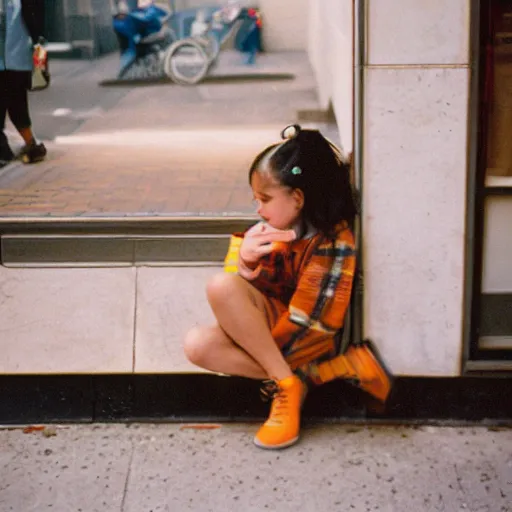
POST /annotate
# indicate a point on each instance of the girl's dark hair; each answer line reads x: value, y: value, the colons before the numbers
x: 309, y: 162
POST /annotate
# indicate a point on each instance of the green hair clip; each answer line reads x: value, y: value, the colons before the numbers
x: 296, y: 171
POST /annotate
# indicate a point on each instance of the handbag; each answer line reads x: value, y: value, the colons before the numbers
x: 40, y: 70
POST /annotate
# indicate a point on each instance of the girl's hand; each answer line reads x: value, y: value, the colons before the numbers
x: 258, y: 241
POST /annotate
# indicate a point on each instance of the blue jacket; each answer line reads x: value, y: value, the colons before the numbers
x: 18, y: 32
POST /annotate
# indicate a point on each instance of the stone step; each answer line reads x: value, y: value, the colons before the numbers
x: 113, y: 242
x: 106, y: 296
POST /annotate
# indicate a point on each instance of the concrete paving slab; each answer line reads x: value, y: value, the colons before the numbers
x: 206, y: 106
x: 163, y: 316
x: 78, y: 469
x: 334, y: 467
x: 66, y: 320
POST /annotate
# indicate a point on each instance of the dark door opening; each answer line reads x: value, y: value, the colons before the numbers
x: 492, y: 304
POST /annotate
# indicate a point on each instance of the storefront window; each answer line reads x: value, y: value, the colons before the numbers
x: 495, y: 304
x: 499, y: 87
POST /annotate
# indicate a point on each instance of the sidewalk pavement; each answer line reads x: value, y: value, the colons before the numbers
x: 153, y: 150
x: 174, y: 468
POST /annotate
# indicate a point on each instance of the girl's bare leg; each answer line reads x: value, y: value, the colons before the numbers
x: 211, y: 348
x: 242, y: 344
x: 240, y: 311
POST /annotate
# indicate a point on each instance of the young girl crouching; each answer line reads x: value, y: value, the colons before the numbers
x: 277, y: 318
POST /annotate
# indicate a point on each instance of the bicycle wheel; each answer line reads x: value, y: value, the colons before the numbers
x: 186, y: 62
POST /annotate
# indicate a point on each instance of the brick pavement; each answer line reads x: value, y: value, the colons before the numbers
x: 122, y: 181
x: 159, y: 150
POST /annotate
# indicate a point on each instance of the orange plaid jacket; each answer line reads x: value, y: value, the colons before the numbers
x: 313, y: 279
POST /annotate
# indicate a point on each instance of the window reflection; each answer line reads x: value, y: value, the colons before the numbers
x: 495, y: 323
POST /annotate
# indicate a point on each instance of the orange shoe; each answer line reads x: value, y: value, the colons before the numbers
x: 372, y: 374
x: 361, y: 364
x: 283, y: 425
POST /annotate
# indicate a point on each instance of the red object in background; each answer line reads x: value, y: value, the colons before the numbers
x: 40, y: 57
x: 33, y: 428
x: 254, y: 13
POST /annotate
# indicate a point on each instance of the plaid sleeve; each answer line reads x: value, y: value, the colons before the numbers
x: 273, y: 275
x: 318, y: 306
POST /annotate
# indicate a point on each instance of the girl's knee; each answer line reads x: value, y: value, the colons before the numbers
x: 221, y: 285
x: 194, y: 345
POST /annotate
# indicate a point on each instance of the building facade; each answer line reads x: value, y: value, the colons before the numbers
x: 422, y: 95
x: 83, y: 28
x: 80, y: 28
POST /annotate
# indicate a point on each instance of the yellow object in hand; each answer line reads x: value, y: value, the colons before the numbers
x: 231, y: 259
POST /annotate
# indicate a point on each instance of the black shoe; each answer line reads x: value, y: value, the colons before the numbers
x: 6, y: 155
x: 33, y: 153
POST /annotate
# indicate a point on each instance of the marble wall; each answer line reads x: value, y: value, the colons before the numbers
x: 414, y: 181
x: 331, y: 49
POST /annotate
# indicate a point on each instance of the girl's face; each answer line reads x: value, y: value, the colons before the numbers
x: 277, y: 205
